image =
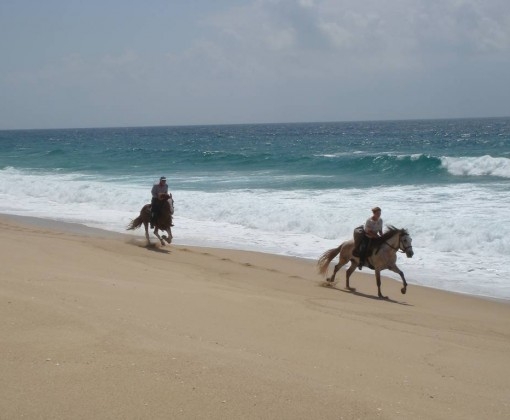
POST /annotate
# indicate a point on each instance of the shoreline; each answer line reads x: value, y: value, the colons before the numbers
x: 81, y: 229
x: 97, y: 327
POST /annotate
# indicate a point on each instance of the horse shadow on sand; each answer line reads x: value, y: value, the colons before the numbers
x: 353, y: 291
x: 153, y: 247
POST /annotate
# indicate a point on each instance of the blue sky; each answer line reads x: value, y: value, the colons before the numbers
x: 68, y: 63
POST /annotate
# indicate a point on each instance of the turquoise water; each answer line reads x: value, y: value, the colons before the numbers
x: 314, y: 156
x: 294, y: 189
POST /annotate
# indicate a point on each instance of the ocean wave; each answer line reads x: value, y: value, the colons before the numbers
x: 386, y: 169
x: 477, y: 166
x: 55, y: 152
x: 296, y: 222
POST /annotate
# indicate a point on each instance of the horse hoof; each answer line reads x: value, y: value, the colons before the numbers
x: 403, y: 290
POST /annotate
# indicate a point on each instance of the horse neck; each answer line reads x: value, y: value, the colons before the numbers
x: 394, y: 241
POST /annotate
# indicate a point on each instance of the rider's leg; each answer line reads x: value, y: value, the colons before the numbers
x: 154, y: 211
x: 356, y: 249
x: 362, y: 252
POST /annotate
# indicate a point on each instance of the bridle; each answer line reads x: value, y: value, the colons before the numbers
x: 400, y: 246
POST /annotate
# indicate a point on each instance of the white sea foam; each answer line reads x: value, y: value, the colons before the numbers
x: 478, y: 166
x: 460, y: 237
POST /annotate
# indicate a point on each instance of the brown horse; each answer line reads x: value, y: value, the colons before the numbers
x: 382, y: 256
x: 164, y: 221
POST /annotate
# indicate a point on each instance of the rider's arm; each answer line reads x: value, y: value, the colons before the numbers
x: 380, y: 232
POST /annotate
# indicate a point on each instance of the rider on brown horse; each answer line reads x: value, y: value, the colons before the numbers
x: 157, y: 191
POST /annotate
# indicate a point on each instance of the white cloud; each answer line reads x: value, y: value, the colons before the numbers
x: 392, y: 25
x: 278, y: 60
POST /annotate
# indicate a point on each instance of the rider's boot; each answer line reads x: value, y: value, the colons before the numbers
x: 361, y: 253
x: 361, y: 259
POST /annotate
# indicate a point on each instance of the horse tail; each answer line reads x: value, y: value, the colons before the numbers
x: 327, y: 257
x: 145, y: 213
x: 135, y: 223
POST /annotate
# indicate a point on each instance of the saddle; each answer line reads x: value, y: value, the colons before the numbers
x: 373, y: 244
x: 364, y: 262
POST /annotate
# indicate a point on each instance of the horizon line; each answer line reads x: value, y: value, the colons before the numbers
x: 255, y: 123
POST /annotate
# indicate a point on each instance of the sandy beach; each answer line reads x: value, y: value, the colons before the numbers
x: 96, y: 325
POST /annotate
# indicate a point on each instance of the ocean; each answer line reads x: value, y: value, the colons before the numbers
x: 289, y: 189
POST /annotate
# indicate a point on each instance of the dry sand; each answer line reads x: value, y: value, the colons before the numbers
x: 98, y: 326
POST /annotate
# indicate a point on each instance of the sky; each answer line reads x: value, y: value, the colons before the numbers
x: 116, y: 63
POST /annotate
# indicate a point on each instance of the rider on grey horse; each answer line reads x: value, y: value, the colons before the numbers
x: 363, y: 237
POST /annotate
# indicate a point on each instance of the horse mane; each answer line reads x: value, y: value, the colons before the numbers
x: 389, y: 233
x: 164, y: 196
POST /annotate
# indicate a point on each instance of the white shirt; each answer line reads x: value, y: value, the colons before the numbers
x: 158, y: 189
x: 373, y: 226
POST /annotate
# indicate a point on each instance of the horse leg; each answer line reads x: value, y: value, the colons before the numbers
x: 340, y: 264
x: 146, y: 225
x: 397, y: 270
x: 378, y: 281
x: 168, y: 237
x: 335, y: 270
x: 156, y: 230
x: 348, y: 273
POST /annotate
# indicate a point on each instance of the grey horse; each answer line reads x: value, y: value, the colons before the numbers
x: 381, y: 256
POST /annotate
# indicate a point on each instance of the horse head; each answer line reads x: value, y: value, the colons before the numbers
x: 405, y: 243
x: 398, y: 239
